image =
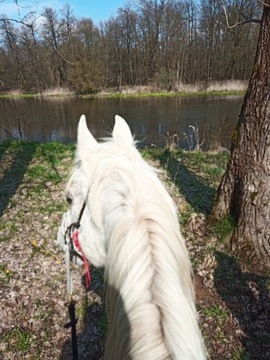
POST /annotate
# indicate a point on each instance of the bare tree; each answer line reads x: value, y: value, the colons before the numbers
x: 52, y: 36
x: 86, y: 73
x: 161, y: 42
x: 244, y: 192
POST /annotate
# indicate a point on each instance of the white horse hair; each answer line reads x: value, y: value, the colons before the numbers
x: 130, y: 227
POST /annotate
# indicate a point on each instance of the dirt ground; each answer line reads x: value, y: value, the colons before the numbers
x: 233, y: 304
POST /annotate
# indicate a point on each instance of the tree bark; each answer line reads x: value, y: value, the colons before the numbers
x: 244, y: 192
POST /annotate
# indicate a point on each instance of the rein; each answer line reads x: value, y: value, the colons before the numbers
x: 72, y: 233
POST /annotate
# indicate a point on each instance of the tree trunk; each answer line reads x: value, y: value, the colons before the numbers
x: 244, y: 192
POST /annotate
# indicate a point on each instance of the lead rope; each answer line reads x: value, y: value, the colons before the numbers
x: 76, y: 242
x: 69, y: 277
x: 69, y: 248
x: 71, y: 306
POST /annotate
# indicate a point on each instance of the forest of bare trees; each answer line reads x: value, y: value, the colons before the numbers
x: 160, y: 42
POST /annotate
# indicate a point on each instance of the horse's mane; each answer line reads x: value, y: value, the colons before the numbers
x: 150, y: 298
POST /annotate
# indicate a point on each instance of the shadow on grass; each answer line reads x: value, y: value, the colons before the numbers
x: 193, y: 188
x: 247, y: 297
x: 14, y: 160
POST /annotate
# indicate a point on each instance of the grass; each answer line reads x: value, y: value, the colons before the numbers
x: 47, y: 158
x: 103, y: 323
x: 212, y: 89
x: 117, y: 95
x: 5, y: 274
x: 209, y: 166
x: 223, y: 228
x: 17, y: 95
x: 198, y: 89
x: 41, y: 248
x: 81, y: 307
x: 214, y: 311
x: 196, y: 174
x: 54, y: 153
x: 18, y: 340
x: 240, y: 354
x: 10, y: 227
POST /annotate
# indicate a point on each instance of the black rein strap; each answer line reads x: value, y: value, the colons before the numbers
x: 71, y: 304
x: 72, y: 325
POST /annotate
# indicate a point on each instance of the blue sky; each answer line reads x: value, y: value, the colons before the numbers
x: 97, y: 10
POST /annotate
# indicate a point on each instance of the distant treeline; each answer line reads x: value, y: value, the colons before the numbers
x: 163, y: 43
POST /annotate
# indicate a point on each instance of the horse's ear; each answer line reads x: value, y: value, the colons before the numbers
x: 121, y: 131
x: 85, y: 140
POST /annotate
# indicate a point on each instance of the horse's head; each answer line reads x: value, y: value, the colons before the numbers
x: 97, y: 182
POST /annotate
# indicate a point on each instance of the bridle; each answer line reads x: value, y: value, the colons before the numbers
x: 72, y: 233
x: 75, y: 226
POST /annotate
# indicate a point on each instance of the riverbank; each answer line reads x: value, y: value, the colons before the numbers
x: 199, y: 89
x: 232, y: 304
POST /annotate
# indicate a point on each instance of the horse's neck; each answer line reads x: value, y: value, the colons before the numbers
x: 149, y: 282
x: 141, y: 222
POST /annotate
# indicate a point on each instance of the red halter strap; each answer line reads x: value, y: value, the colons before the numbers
x: 76, y: 242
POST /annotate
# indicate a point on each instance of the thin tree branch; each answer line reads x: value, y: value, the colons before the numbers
x: 240, y: 22
x: 62, y: 56
x: 16, y: 21
x: 263, y: 3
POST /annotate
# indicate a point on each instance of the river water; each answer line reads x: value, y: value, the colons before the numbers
x: 152, y: 119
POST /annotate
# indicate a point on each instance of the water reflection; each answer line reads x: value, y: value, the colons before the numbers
x: 150, y: 119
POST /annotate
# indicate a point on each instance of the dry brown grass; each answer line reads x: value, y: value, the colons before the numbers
x: 214, y: 86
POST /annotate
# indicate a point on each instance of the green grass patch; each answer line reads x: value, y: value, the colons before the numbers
x: 44, y: 172
x: 54, y: 152
x: 9, y: 226
x: 17, y: 95
x: 37, y: 171
x: 47, y: 159
x: 103, y: 323
x: 223, y: 228
x: 208, y: 166
x: 240, y: 354
x: 32, y: 169
x: 196, y: 174
x: 5, y: 274
x: 18, y: 339
x: 81, y: 308
x: 214, y: 311
x: 53, y: 208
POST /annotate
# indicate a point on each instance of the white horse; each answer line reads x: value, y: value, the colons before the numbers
x: 129, y: 226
